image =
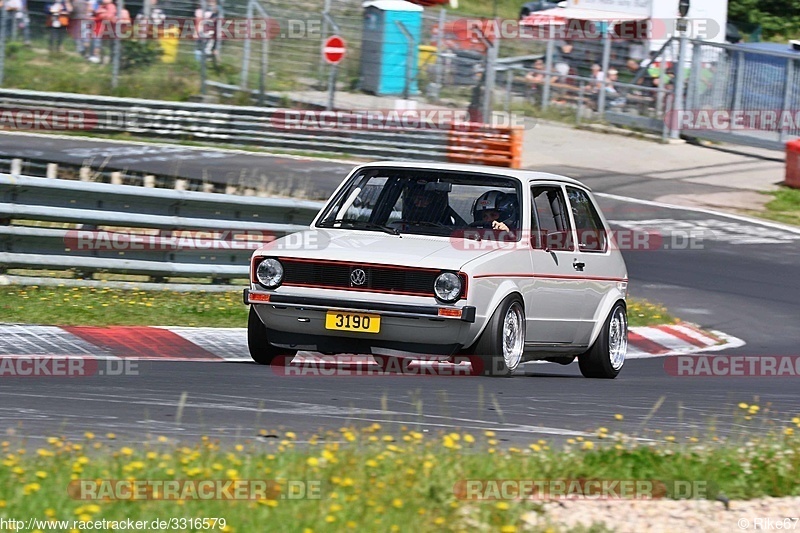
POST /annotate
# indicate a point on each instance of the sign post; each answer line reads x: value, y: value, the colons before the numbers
x: 333, y: 51
x: 680, y: 67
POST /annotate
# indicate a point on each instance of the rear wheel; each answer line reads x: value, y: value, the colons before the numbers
x: 501, y: 344
x: 607, y: 355
x: 261, y: 350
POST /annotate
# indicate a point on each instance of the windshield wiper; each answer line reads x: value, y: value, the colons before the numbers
x: 360, y: 224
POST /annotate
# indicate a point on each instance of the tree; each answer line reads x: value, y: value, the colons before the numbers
x: 779, y: 19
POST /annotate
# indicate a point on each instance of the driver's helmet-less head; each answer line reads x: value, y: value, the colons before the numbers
x: 504, y: 204
x: 420, y: 205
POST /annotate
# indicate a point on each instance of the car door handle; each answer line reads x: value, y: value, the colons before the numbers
x: 578, y: 265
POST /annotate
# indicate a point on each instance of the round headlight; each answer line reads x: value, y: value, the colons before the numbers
x: 447, y: 287
x: 269, y: 273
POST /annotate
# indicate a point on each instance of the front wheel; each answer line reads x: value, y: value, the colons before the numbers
x: 261, y: 350
x: 607, y: 355
x: 501, y: 344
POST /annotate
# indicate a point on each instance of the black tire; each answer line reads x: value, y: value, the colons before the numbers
x: 489, y: 347
x: 261, y: 350
x: 597, y: 362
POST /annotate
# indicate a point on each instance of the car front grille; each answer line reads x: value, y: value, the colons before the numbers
x: 348, y: 276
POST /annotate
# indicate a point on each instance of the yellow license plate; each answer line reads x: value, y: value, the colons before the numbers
x: 352, y: 322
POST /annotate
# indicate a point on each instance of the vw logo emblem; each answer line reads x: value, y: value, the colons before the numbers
x: 358, y: 277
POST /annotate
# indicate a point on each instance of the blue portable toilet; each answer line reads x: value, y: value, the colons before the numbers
x: 385, y: 48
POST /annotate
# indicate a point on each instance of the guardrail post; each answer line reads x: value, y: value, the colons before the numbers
x: 695, y: 76
x: 85, y: 174
x: 117, y: 52
x: 180, y: 184
x: 16, y: 167
x: 435, y: 88
x: 489, y: 79
x: 787, y: 93
x: 246, y: 51
x: 680, y: 77
x: 509, y: 80
x: 409, y: 58
x: 149, y: 180
x: 601, y: 98
x: 52, y: 170
x: 548, y: 66
x: 3, y: 15
x: 738, y: 83
x: 116, y: 178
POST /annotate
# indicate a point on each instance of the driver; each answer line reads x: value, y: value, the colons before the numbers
x: 496, y: 209
x: 425, y: 206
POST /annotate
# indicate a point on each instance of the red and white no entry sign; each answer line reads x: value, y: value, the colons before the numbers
x: 333, y: 50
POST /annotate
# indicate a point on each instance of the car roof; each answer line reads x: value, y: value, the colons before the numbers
x: 524, y: 176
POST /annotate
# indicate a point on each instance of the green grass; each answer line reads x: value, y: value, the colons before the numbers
x: 645, y: 313
x: 507, y: 9
x: 78, y: 306
x: 785, y: 207
x: 375, y: 480
x: 33, y: 68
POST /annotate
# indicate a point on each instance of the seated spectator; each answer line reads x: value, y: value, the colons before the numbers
x: 561, y: 60
x: 538, y: 75
x: 597, y: 76
x: 616, y: 99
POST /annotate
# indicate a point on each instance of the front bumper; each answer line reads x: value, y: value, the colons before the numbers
x: 467, y: 313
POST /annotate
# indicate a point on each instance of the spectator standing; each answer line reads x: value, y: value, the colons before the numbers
x: 205, y: 22
x: 81, y: 26
x: 154, y: 24
x: 24, y: 22
x: 104, y: 14
x: 57, y: 21
x: 13, y: 10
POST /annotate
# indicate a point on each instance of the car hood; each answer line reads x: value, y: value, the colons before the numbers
x: 377, y: 247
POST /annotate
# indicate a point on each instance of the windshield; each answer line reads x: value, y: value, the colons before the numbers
x: 424, y: 202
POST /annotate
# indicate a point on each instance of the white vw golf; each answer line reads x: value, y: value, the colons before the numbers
x: 501, y: 266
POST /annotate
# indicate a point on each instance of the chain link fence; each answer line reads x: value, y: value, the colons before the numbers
x: 451, y: 61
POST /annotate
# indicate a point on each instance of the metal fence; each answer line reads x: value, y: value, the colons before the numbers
x: 95, y: 227
x: 393, y: 137
x: 452, y: 67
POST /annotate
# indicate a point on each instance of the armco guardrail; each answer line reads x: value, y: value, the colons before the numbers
x: 96, y: 227
x: 247, y: 125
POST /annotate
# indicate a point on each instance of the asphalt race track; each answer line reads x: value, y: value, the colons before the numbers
x: 724, y: 273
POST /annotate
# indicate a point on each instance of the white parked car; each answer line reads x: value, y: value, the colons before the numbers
x: 503, y: 266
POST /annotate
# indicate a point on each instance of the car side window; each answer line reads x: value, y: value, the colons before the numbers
x: 551, y: 223
x: 591, y: 232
